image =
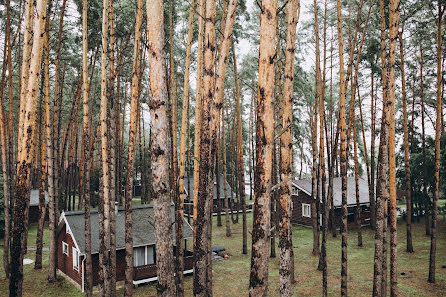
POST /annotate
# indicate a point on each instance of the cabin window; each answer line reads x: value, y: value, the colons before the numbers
x: 139, y: 256
x: 306, y: 210
x: 150, y: 254
x: 65, y: 248
x: 75, y: 259
x: 143, y: 255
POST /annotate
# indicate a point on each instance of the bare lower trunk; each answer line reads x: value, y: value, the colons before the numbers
x: 433, y: 248
x: 24, y: 157
x: 223, y: 147
x: 258, y: 285
x: 286, y: 173
x: 160, y: 150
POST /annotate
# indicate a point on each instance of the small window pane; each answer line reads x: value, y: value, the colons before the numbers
x: 150, y: 255
x: 139, y: 256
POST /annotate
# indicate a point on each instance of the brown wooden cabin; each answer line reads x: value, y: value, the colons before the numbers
x: 188, y: 208
x: 301, y: 197
x: 71, y: 246
x: 34, y: 211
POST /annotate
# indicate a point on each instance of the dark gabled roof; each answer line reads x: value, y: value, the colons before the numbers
x: 305, y: 186
x: 34, y: 198
x: 190, y: 180
x: 143, y: 227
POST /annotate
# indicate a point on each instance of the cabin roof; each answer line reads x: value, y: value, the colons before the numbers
x: 34, y: 198
x: 304, y: 185
x: 143, y: 227
x: 190, y: 179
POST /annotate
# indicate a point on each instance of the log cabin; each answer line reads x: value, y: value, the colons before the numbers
x: 301, y: 197
x: 34, y: 211
x: 71, y: 246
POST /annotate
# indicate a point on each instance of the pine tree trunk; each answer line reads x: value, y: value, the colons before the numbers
x: 182, y: 167
x: 112, y: 156
x: 286, y: 173
x: 379, y: 276
x: 203, y: 223
x: 409, y: 245
x: 6, y: 174
x: 160, y: 150
x: 426, y: 199
x: 358, y: 206
x: 199, y: 106
x: 223, y: 147
x: 41, y: 179
x: 24, y: 157
x: 241, y: 166
x: 372, y: 197
x: 258, y: 285
x: 431, y: 278
x: 343, y: 152
x: 128, y: 290
x: 85, y: 195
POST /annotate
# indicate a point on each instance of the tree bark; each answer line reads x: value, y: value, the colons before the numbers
x: 182, y: 167
x: 431, y: 278
x: 241, y: 166
x: 199, y: 106
x: 426, y: 199
x: 160, y: 149
x: 203, y: 225
x: 343, y: 152
x: 286, y: 173
x: 24, y: 157
x: 258, y: 285
x: 223, y: 147
x: 128, y: 290
x: 379, y: 275
x: 409, y: 245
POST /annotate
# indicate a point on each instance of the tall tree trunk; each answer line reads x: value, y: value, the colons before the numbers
x: 379, y: 276
x: 182, y: 167
x: 128, y: 290
x: 41, y: 179
x: 104, y: 234
x: 372, y: 197
x: 24, y: 157
x: 86, y: 155
x: 241, y: 166
x: 199, y: 106
x: 358, y: 206
x: 343, y: 151
x: 286, y: 173
x: 112, y: 154
x: 431, y: 278
x: 225, y: 189
x: 426, y: 199
x: 258, y: 285
x: 5, y: 174
x: 160, y: 149
x: 203, y: 225
x: 409, y: 245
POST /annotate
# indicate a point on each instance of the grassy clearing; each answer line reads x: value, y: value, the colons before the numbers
x: 231, y: 277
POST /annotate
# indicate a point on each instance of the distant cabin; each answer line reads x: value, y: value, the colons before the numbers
x: 34, y: 206
x: 71, y: 245
x: 190, y: 195
x: 301, y: 197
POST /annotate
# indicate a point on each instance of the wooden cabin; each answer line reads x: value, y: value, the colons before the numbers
x: 189, y: 189
x: 301, y: 197
x: 71, y: 245
x: 34, y: 210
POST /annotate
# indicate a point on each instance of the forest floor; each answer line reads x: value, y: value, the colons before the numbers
x: 231, y: 276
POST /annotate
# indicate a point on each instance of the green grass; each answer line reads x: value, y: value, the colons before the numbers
x: 231, y: 277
